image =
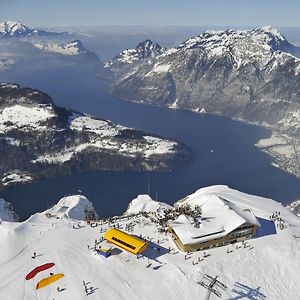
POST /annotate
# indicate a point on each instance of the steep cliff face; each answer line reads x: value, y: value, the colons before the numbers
x: 39, y: 139
x: 253, y: 75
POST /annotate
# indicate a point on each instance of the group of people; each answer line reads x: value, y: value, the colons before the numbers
x: 277, y: 219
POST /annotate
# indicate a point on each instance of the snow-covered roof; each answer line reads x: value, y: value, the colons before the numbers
x: 219, y: 217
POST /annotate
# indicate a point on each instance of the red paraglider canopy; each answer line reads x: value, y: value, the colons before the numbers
x: 39, y: 269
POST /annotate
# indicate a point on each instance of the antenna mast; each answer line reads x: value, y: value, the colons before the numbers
x: 148, y: 188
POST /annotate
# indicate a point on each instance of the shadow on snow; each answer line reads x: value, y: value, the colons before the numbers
x: 243, y: 291
x: 267, y: 227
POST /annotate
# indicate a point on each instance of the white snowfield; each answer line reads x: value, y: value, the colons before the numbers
x: 68, y: 49
x: 158, y: 68
x: 25, y: 118
x: 157, y: 145
x: 15, y: 176
x: 267, y: 269
x: 100, y: 127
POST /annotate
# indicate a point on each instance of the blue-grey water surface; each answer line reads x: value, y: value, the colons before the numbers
x: 224, y: 151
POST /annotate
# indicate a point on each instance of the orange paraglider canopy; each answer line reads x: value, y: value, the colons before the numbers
x: 39, y: 269
x: 48, y: 280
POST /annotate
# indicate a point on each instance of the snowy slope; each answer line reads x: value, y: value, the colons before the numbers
x: 25, y: 118
x: 267, y: 268
x: 72, y: 207
x: 144, y: 203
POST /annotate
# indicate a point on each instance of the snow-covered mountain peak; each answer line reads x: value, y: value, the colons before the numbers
x: 146, y: 50
x: 272, y: 37
x: 263, y: 37
x: 13, y: 28
x: 258, y: 45
x: 76, y: 207
x: 144, y: 203
x: 270, y: 31
x: 19, y: 29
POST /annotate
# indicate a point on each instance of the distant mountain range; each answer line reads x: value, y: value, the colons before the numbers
x: 18, y: 29
x: 39, y: 139
x: 252, y: 75
x: 72, y: 49
x: 25, y: 40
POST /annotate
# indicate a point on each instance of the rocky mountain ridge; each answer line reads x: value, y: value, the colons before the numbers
x: 11, y: 29
x: 145, y: 52
x: 39, y: 139
x: 252, y: 75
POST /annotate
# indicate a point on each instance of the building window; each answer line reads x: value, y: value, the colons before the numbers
x: 123, y: 243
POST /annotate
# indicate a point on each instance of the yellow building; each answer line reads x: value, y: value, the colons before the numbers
x: 125, y: 241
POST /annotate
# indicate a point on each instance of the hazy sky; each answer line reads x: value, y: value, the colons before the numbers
x: 152, y: 12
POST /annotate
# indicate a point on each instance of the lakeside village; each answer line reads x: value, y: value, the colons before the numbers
x: 150, y: 230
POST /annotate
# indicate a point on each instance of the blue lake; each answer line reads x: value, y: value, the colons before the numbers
x: 224, y: 151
